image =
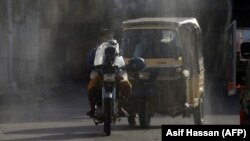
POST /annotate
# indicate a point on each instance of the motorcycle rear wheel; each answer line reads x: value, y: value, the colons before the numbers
x: 107, y: 116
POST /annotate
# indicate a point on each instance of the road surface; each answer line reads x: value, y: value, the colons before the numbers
x: 62, y: 118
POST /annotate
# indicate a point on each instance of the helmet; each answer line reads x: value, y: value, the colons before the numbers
x: 136, y: 64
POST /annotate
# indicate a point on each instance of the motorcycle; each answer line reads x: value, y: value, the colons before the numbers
x: 107, y: 101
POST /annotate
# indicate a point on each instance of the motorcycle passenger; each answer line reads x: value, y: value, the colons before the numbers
x: 94, y: 85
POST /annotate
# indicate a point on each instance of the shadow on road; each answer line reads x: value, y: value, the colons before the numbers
x: 60, y: 137
x: 68, y: 133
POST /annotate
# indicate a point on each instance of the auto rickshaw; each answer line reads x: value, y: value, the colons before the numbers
x: 172, y: 82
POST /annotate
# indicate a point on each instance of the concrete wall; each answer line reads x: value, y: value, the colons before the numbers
x: 47, y: 41
x: 20, y: 42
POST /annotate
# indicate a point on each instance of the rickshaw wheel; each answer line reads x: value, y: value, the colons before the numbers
x: 144, y: 114
x: 198, y: 112
x: 132, y: 120
x: 132, y: 111
x: 244, y: 118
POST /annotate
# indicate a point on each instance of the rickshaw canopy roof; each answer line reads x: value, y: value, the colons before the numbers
x: 161, y: 22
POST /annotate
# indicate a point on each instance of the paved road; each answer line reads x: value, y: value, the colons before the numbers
x: 84, y: 129
x: 63, y: 118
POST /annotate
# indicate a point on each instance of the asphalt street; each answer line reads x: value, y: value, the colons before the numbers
x: 62, y: 116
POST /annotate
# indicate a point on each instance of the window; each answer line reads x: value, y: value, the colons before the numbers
x: 149, y: 43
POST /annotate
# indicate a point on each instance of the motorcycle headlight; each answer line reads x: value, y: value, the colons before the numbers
x: 144, y: 75
x: 109, y: 77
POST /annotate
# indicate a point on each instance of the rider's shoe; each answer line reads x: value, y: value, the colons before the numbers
x: 122, y: 112
x: 91, y: 113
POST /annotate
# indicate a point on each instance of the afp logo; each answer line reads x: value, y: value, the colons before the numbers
x: 234, y: 133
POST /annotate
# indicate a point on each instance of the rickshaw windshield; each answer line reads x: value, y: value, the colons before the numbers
x: 150, y: 43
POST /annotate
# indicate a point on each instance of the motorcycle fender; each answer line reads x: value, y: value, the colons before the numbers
x: 106, y: 94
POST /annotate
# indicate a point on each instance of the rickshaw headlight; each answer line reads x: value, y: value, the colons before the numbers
x: 144, y: 75
x: 186, y: 73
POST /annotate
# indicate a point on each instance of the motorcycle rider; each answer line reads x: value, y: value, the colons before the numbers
x: 94, y: 85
